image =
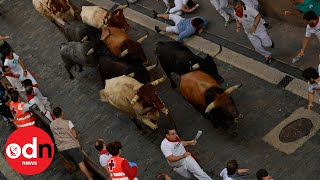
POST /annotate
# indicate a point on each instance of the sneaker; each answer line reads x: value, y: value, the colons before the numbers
x: 195, y: 7
x: 227, y: 23
x: 157, y: 29
x: 267, y: 26
x: 297, y: 58
x: 167, y: 11
x: 268, y: 60
x: 154, y: 14
x: 272, y: 46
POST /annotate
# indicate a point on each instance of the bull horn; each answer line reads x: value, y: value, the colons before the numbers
x: 123, y: 6
x: 106, y: 35
x: 90, y: 51
x: 196, y: 66
x: 231, y: 89
x: 131, y: 75
x: 149, y: 68
x: 146, y: 110
x: 218, y: 52
x: 158, y: 81
x: 210, y: 107
x: 84, y: 39
x: 134, y: 99
x: 143, y: 38
x: 123, y: 53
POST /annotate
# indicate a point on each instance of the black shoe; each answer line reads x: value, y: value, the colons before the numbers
x: 157, y: 29
x: 272, y: 46
x: 268, y: 60
x: 268, y: 26
x: 154, y: 14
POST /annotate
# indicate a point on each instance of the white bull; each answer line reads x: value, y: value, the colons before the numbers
x: 121, y: 92
x: 94, y: 16
x: 58, y: 10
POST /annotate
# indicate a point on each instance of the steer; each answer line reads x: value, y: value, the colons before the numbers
x: 78, y: 31
x: 139, y: 101
x: 177, y: 58
x: 203, y: 92
x: 98, y: 17
x: 78, y: 53
x: 121, y: 45
x: 58, y: 10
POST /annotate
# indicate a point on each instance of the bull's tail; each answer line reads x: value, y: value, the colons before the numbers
x: 103, y: 97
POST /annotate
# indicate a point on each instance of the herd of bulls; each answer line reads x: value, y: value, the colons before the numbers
x: 101, y: 40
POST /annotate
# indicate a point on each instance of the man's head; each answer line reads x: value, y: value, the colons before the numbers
x: 114, y: 148
x: 9, y: 53
x: 310, y: 74
x: 262, y: 174
x: 171, y: 133
x: 26, y: 82
x: 237, y: 6
x: 6, y: 70
x: 100, y: 145
x: 57, y: 112
x: 311, y: 18
x: 15, y: 96
x: 197, y: 22
x: 163, y: 176
x: 29, y: 90
x: 295, y: 2
x: 232, y: 167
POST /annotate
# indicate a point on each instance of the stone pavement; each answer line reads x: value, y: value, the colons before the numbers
x: 263, y: 105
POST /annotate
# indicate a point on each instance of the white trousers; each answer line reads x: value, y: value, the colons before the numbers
x: 176, y: 19
x: 221, y: 6
x: 259, y: 40
x: 189, y: 167
x: 167, y: 3
x: 177, y: 9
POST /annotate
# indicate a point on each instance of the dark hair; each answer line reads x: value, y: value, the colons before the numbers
x: 310, y: 73
x: 4, y: 68
x: 99, y: 144
x: 232, y: 167
x: 10, y: 91
x: 29, y: 90
x: 168, y: 129
x: 196, y: 22
x: 235, y: 2
x: 27, y: 82
x: 7, y: 53
x: 310, y: 15
x: 261, y: 173
x: 14, y: 96
x: 161, y: 176
x: 57, y: 111
x: 114, y: 147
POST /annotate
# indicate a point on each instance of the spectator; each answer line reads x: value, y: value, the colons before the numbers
x: 255, y: 5
x: 28, y: 83
x: 262, y: 174
x: 4, y: 47
x: 232, y: 172
x: 66, y: 140
x: 4, y: 106
x: 183, y: 6
x: 222, y: 8
x: 120, y: 167
x: 313, y: 27
x: 304, y: 6
x: 32, y: 99
x: 163, y: 176
x: 20, y: 111
x: 13, y: 79
x: 182, y: 162
x: 183, y: 27
x: 312, y: 76
x: 104, y: 155
x: 14, y: 62
x: 256, y: 32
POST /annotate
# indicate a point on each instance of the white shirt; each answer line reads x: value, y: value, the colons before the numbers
x: 15, y: 83
x: 224, y: 174
x: 35, y: 100
x: 248, y: 18
x: 173, y: 148
x: 315, y: 87
x: 313, y: 30
x: 14, y: 64
x: 103, y: 159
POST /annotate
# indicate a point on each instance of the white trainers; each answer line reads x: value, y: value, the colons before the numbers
x: 297, y: 58
x: 195, y: 7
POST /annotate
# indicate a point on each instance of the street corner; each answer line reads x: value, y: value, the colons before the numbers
x: 294, y: 131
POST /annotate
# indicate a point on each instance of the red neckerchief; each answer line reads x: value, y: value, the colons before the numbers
x: 11, y: 75
x: 103, y: 152
x: 315, y: 23
x: 177, y: 140
x: 239, y: 13
x: 29, y: 97
x: 7, y: 57
x: 34, y: 86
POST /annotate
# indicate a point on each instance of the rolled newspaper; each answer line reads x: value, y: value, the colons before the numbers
x: 198, y: 135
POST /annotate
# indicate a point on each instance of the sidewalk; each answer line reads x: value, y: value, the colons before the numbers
x: 287, y: 38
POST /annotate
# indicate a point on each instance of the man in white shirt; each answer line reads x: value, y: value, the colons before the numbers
x: 312, y: 76
x: 313, y: 27
x: 233, y: 172
x: 222, y: 8
x: 181, y: 6
x: 182, y: 162
x: 255, y: 5
x: 255, y: 30
x: 104, y: 155
x: 263, y: 174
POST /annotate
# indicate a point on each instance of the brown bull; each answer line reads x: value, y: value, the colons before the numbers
x: 203, y: 92
x: 121, y: 45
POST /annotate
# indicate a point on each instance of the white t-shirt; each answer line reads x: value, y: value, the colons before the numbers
x: 313, y: 30
x: 315, y: 87
x: 103, y: 159
x: 173, y: 148
x: 248, y: 18
x: 224, y: 174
